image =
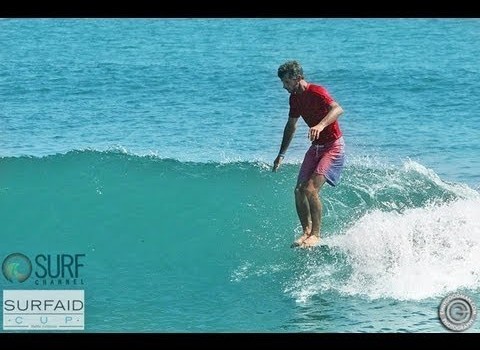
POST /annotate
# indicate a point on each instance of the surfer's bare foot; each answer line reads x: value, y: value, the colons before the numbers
x: 301, y: 239
x: 311, y: 241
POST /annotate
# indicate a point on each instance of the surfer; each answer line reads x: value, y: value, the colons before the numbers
x: 324, y: 159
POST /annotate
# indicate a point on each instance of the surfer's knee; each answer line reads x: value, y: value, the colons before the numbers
x: 310, y: 189
x: 299, y: 189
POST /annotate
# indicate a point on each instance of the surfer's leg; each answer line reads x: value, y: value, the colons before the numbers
x: 301, y: 202
x: 303, y: 212
x: 312, y: 189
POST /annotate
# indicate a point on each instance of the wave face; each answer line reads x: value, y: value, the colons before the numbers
x: 164, y: 227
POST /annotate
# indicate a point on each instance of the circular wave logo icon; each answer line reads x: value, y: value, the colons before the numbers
x: 17, y: 267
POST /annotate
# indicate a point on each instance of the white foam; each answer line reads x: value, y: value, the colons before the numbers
x: 420, y: 253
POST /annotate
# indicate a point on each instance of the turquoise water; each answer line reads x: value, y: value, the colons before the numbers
x: 147, y: 144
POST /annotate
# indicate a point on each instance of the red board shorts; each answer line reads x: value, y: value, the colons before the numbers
x: 327, y: 160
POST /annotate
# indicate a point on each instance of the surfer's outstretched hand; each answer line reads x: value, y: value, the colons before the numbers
x: 276, y: 163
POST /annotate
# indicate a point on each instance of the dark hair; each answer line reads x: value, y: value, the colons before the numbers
x: 290, y: 69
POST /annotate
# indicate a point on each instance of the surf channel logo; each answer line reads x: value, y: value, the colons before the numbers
x: 457, y: 312
x: 44, y: 269
x: 17, y: 268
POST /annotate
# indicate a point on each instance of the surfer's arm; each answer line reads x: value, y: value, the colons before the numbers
x: 333, y: 114
x: 288, y: 133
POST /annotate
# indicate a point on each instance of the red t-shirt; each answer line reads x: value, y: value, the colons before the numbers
x: 313, y: 105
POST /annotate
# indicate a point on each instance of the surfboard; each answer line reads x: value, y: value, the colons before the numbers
x: 318, y: 246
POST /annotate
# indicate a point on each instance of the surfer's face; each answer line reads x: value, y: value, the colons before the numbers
x: 290, y: 84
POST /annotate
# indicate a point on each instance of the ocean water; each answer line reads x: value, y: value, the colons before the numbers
x: 146, y: 145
